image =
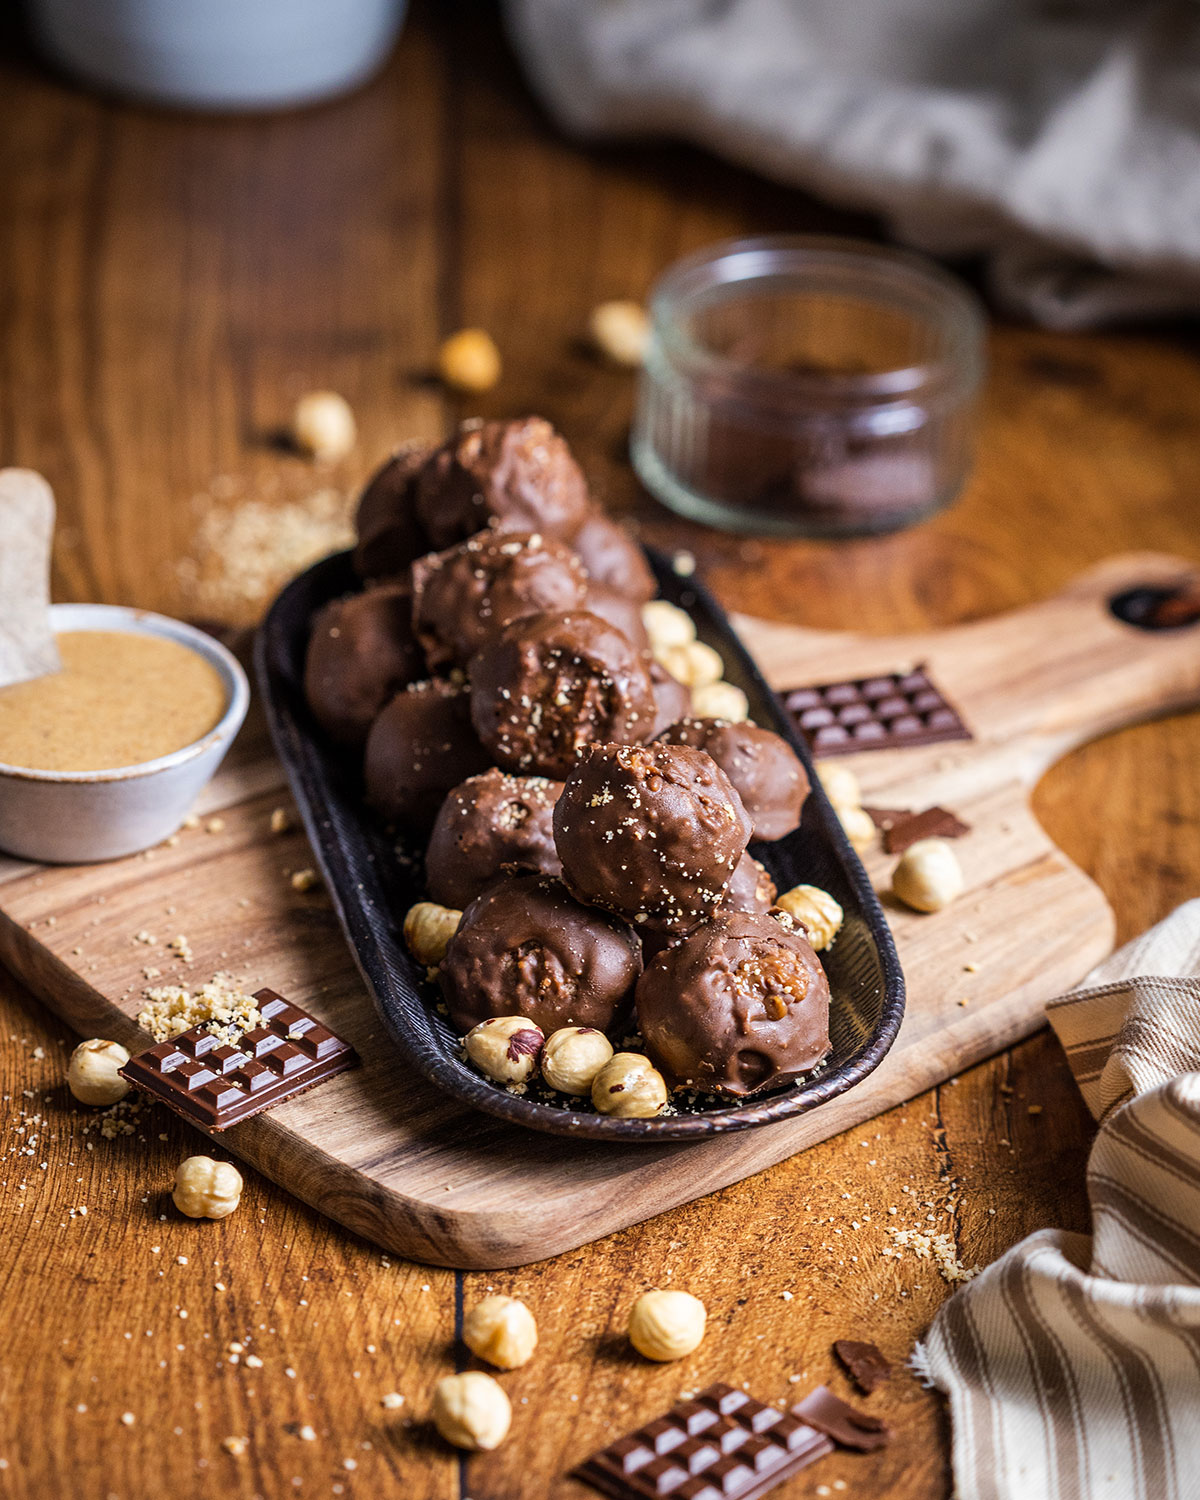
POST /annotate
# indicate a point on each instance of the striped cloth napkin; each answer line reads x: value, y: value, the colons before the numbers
x: 1072, y: 1364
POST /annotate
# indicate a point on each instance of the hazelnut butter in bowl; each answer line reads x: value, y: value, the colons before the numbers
x: 105, y: 757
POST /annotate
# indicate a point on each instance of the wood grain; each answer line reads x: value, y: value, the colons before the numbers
x: 165, y: 280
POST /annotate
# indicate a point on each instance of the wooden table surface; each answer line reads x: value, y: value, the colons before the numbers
x: 167, y: 287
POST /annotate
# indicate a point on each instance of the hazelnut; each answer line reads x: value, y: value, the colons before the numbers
x: 695, y: 665
x: 928, y: 876
x: 469, y: 361
x: 323, y: 425
x: 573, y: 1056
x: 92, y: 1072
x: 620, y: 331
x: 471, y: 1411
x: 502, y: 1331
x: 428, y: 929
x: 206, y: 1189
x: 667, y: 625
x: 860, y: 830
x: 666, y: 1325
x: 720, y: 700
x: 816, y: 910
x: 629, y: 1085
x: 505, y: 1048
x: 840, y: 783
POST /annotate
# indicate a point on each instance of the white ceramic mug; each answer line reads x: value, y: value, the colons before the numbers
x: 220, y: 54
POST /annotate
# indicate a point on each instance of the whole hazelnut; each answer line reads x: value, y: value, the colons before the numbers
x: 720, y: 700
x: 620, y: 330
x: 471, y: 1411
x: 696, y: 665
x: 573, y: 1056
x: 816, y: 909
x: 428, y: 929
x: 502, y: 1331
x: 469, y: 361
x: 860, y: 830
x: 92, y: 1072
x: 667, y: 625
x: 928, y: 876
x: 629, y: 1085
x: 206, y: 1189
x: 323, y: 425
x: 840, y: 783
x: 666, y: 1325
x: 505, y: 1048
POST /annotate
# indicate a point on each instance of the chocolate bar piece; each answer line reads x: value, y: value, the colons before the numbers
x: 723, y: 1445
x: 874, y: 713
x: 933, y: 823
x: 865, y: 1363
x: 845, y: 1424
x: 214, y: 1083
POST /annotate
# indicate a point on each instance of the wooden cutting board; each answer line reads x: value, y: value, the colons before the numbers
x: 384, y: 1153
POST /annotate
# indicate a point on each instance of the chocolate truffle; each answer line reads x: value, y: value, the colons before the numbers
x: 514, y: 476
x: 469, y: 593
x: 619, y: 610
x: 751, y: 888
x: 489, y: 827
x: 654, y: 832
x: 361, y: 651
x: 525, y: 948
x: 740, y: 1004
x: 762, y: 766
x: 613, y: 558
x: 550, y: 684
x: 420, y: 746
x: 672, y: 698
x: 389, y: 534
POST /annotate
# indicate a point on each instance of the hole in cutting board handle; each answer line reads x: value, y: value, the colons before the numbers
x: 1154, y: 607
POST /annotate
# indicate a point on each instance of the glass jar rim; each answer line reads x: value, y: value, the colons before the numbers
x: 856, y: 268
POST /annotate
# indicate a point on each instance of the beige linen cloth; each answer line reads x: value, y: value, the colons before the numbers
x: 1073, y: 1363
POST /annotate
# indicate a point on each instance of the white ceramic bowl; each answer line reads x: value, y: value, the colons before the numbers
x: 77, y: 817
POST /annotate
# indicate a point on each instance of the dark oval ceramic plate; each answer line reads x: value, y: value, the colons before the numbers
x: 373, y: 879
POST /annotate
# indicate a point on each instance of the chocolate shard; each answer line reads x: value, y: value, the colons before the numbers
x: 933, y: 823
x: 845, y: 1424
x: 214, y: 1083
x: 722, y: 1445
x: 888, y: 712
x: 864, y: 1363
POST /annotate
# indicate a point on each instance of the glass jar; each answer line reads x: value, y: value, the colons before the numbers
x: 805, y: 386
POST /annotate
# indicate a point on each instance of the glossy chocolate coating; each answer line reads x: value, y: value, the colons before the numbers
x: 514, y: 476
x: 466, y: 595
x: 361, y: 651
x: 489, y: 827
x: 525, y: 948
x: 739, y: 1005
x: 420, y: 746
x: 654, y: 832
x: 389, y: 534
x: 613, y: 558
x: 762, y: 766
x: 751, y: 888
x: 672, y: 699
x: 620, y: 611
x: 550, y: 684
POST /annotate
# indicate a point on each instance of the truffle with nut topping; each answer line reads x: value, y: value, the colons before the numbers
x: 613, y: 558
x: 466, y: 595
x: 751, y: 888
x: 390, y: 537
x: 526, y: 947
x: 492, y: 826
x: 653, y: 832
x: 360, y: 653
x: 550, y: 684
x: 420, y: 746
x: 513, y: 476
x: 762, y: 766
x: 737, y: 1006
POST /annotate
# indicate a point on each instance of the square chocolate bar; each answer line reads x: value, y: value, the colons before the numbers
x: 874, y: 713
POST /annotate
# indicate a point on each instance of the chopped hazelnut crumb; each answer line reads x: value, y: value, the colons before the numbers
x: 392, y: 1401
x: 235, y: 1445
x: 280, y: 821
x: 305, y: 880
x: 307, y: 1434
x: 128, y: 1418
